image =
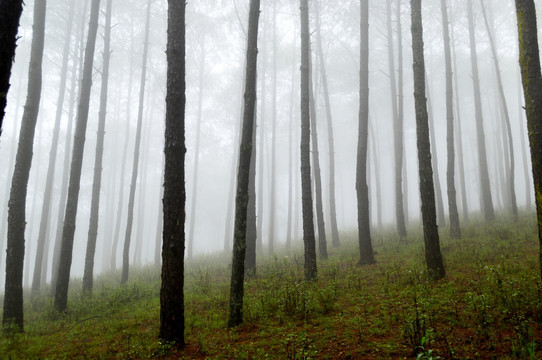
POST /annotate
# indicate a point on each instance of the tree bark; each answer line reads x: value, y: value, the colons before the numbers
x: 13, y: 295
x: 309, y: 240
x: 397, y: 130
x: 88, y: 276
x: 455, y: 229
x: 529, y: 60
x: 133, y: 184
x: 68, y: 231
x: 506, y: 117
x: 243, y: 174
x: 172, y: 292
x: 485, y: 189
x: 10, y: 13
x: 433, y: 256
x: 366, y: 255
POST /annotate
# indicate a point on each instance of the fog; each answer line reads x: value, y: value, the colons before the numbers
x: 216, y: 36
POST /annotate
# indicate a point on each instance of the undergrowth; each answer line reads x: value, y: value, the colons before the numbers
x: 488, y: 306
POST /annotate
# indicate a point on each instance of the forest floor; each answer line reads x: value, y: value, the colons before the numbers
x: 489, y: 306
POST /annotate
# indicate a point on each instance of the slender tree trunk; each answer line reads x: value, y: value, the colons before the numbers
x: 252, y: 230
x: 260, y: 151
x: 159, y: 223
x: 196, y: 152
x: 13, y: 295
x: 291, y: 170
x: 434, y: 159
x: 400, y: 113
x: 397, y: 130
x: 377, y: 177
x: 75, y: 89
x: 529, y: 60
x: 459, y: 133
x: 273, y: 177
x: 120, y: 208
x: 43, y: 237
x: 433, y: 256
x: 511, y: 169
x: 309, y: 240
x: 485, y: 189
x: 88, y: 276
x: 66, y: 250
x: 133, y: 184
x: 10, y: 13
x: 455, y: 229
x: 322, y: 241
x: 335, y: 242
x: 245, y: 151
x: 171, y: 292
x: 4, y: 219
x: 526, y: 176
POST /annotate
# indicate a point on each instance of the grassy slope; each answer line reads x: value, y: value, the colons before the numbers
x: 488, y: 306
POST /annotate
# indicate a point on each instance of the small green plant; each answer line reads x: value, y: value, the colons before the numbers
x: 425, y: 354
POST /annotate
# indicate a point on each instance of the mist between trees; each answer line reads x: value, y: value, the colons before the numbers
x: 492, y: 165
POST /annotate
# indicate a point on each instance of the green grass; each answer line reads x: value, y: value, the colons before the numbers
x: 488, y: 306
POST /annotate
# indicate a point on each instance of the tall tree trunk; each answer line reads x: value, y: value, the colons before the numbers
x: 43, y: 237
x: 335, y: 242
x: 526, y: 176
x: 377, y: 177
x: 68, y: 231
x: 309, y: 240
x: 243, y: 175
x: 322, y: 242
x: 171, y: 292
x: 252, y: 229
x: 13, y: 295
x: 273, y: 177
x: 133, y: 184
x: 366, y: 255
x: 260, y: 151
x: 116, y: 237
x: 434, y: 159
x: 400, y: 112
x: 455, y: 229
x: 13, y: 151
x: 190, y: 247
x: 88, y: 276
x: 459, y: 133
x: 291, y: 169
x: 433, y: 256
x: 485, y: 189
x: 159, y: 224
x: 75, y: 89
x: 529, y: 60
x: 510, y: 178
x: 397, y: 130
x: 10, y: 13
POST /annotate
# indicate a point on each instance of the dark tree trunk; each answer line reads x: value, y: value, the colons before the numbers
x: 506, y: 117
x: 485, y: 189
x: 331, y: 142
x: 252, y: 230
x: 133, y: 183
x: 526, y: 176
x: 10, y: 13
x: 43, y: 237
x: 68, y: 231
x: 88, y: 276
x: 74, y: 93
x: 309, y: 240
x: 172, y: 292
x: 322, y: 242
x: 529, y: 60
x: 366, y: 255
x: 433, y: 256
x: 13, y: 295
x: 455, y: 229
x: 397, y: 130
x: 243, y: 174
